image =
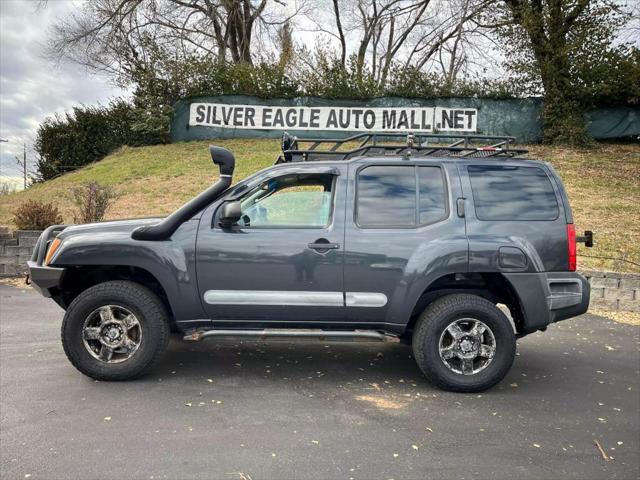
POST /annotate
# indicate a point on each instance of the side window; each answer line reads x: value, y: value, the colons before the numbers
x: 297, y: 201
x: 512, y: 193
x: 399, y: 196
x: 386, y: 196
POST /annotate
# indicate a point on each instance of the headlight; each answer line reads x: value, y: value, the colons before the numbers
x: 52, y: 250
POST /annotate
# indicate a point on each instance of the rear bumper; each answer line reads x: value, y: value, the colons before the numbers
x: 569, y: 295
x: 549, y: 297
x: 44, y: 279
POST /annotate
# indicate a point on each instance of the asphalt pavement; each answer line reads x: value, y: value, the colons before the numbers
x: 283, y: 410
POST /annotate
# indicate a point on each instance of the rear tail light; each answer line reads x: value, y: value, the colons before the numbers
x: 571, y: 242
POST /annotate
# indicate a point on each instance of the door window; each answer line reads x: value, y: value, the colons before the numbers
x: 294, y: 201
x: 386, y: 196
x: 400, y: 196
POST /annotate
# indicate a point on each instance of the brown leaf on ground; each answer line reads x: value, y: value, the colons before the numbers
x: 604, y: 455
x: 17, y: 282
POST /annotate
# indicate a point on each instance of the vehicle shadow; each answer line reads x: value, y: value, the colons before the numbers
x: 250, y: 362
x: 287, y: 360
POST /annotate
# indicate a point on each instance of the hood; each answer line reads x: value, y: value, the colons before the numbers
x: 115, y: 226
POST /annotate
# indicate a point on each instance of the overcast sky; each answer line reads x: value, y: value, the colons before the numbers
x: 32, y: 88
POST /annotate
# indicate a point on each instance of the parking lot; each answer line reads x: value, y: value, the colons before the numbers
x: 282, y: 410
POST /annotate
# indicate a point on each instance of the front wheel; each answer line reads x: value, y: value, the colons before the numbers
x: 115, y: 330
x: 464, y: 343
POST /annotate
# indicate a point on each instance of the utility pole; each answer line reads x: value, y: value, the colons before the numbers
x: 23, y: 163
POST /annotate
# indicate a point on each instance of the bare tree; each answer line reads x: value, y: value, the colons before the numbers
x: 343, y: 42
x: 407, y: 33
x: 385, y: 26
x: 466, y: 45
x: 120, y: 36
x: 446, y: 31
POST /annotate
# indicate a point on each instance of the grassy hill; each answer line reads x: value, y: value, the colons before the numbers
x: 603, y: 184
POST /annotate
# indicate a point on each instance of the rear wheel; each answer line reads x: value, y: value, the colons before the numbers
x: 464, y: 343
x: 115, y: 330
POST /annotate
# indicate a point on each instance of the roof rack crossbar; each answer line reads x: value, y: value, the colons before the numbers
x: 418, y: 145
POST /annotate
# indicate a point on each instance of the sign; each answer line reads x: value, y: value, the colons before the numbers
x: 361, y: 119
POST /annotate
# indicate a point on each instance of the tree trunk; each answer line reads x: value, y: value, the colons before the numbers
x: 562, y: 116
x: 343, y: 43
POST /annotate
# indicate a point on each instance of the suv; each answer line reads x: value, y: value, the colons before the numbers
x: 415, y: 242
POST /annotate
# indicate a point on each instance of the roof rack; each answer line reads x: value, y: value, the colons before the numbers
x: 414, y: 145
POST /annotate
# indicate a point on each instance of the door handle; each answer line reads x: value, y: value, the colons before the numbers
x: 460, y: 206
x: 323, y: 246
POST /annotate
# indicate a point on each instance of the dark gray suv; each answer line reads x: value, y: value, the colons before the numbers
x: 456, y: 249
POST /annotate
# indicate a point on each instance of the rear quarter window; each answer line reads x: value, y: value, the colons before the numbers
x: 512, y: 193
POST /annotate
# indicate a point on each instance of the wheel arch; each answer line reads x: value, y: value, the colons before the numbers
x: 492, y: 286
x: 79, y: 278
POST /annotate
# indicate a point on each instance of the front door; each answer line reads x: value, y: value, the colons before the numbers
x: 283, y: 262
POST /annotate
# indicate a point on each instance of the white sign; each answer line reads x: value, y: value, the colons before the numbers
x: 379, y: 119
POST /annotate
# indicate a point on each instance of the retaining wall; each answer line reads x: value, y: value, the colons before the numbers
x: 15, y: 250
x: 614, y: 291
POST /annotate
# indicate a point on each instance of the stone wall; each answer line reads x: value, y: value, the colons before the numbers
x: 15, y: 250
x: 614, y: 291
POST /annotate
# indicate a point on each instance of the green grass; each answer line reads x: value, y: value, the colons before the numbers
x: 151, y: 180
x: 603, y: 185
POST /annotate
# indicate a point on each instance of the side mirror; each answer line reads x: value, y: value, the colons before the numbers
x: 231, y: 213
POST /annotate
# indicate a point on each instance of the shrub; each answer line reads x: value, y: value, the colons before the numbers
x: 34, y: 215
x: 87, y: 134
x: 92, y: 201
x: 330, y: 79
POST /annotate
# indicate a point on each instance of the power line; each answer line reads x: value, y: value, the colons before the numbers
x: 13, y: 169
x: 610, y: 258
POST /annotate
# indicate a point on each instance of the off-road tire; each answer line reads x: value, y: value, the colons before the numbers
x: 442, y: 313
x: 152, y: 317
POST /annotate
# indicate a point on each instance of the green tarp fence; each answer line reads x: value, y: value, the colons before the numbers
x: 519, y: 118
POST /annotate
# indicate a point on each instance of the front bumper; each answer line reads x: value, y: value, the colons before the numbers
x: 43, y: 278
x: 549, y: 297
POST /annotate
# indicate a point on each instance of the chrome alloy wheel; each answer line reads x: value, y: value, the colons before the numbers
x: 112, y: 334
x: 467, y: 346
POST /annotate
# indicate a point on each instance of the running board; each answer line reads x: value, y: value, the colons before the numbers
x: 297, y: 333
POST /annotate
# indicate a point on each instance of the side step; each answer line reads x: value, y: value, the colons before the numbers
x: 295, y: 333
